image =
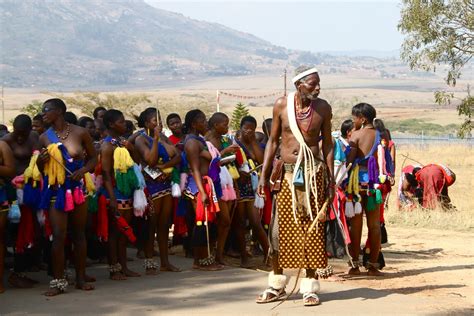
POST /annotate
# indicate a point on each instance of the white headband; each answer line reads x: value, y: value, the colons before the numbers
x: 304, y: 74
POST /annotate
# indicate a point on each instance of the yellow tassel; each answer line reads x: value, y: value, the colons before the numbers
x: 168, y: 170
x: 90, y: 187
x: 122, y: 159
x: 32, y: 172
x: 54, y: 168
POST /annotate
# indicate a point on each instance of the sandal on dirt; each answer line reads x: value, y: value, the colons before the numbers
x: 310, y: 299
x: 270, y: 295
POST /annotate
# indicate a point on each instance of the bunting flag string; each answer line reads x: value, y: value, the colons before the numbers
x: 247, y: 97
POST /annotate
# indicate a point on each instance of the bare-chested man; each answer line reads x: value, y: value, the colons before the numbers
x: 23, y: 142
x: 299, y: 120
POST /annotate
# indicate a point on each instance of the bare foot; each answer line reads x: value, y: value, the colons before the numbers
x: 117, y: 276
x: 130, y: 273
x: 374, y: 272
x: 151, y: 271
x: 353, y: 271
x: 80, y: 285
x: 89, y: 278
x: 334, y: 278
x: 245, y: 263
x: 53, y: 292
x: 19, y: 282
x: 170, y: 268
x: 211, y: 267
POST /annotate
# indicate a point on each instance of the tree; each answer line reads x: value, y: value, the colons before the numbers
x: 32, y: 109
x: 239, y: 112
x: 88, y: 101
x: 440, y: 32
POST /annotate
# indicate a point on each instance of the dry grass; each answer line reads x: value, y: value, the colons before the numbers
x: 459, y: 159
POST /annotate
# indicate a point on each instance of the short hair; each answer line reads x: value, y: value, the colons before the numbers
x: 266, y: 124
x: 145, y: 116
x: 56, y: 103
x: 97, y: 110
x: 216, y: 118
x: 190, y: 118
x: 172, y: 116
x: 82, y: 121
x: 22, y: 121
x: 346, y: 126
x: 248, y: 119
x: 70, y: 118
x: 38, y: 117
x: 364, y: 110
x: 111, y: 116
x: 130, y: 125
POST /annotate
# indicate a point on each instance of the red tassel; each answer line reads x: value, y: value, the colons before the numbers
x: 102, y: 219
x: 69, y: 201
x: 125, y: 229
x: 267, y: 209
x: 239, y: 157
x: 79, y: 196
x: 26, y: 230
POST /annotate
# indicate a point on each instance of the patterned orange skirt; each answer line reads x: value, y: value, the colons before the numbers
x: 291, y: 234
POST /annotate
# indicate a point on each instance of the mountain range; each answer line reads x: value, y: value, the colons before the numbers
x: 84, y: 44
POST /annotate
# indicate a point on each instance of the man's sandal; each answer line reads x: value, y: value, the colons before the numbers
x: 270, y: 295
x: 275, y: 290
x: 309, y: 287
x: 310, y: 299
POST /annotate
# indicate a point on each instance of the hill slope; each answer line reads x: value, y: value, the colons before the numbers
x: 65, y: 43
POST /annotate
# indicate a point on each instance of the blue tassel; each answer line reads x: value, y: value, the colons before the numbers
x: 31, y: 196
x: 60, y: 198
x: 182, y: 207
x: 139, y: 174
x: 46, y: 196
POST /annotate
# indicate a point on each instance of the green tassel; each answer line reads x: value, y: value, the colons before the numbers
x: 92, y: 202
x: 378, y: 197
x: 175, y: 176
x: 371, y: 206
x: 126, y: 182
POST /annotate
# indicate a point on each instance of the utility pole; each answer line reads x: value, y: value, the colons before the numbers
x: 284, y: 78
x: 3, y: 108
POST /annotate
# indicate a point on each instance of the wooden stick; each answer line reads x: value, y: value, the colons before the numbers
x: 344, y: 174
x: 61, y: 164
x: 207, y: 234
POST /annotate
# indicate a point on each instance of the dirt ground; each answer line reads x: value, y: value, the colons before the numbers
x: 421, y: 263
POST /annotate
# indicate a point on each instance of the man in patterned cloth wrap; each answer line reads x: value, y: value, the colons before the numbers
x: 305, y: 184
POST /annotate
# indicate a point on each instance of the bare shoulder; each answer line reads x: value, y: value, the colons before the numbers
x: 106, y: 148
x: 78, y: 130
x: 3, y: 144
x: 43, y: 139
x: 280, y: 103
x: 8, y: 138
x: 323, y: 105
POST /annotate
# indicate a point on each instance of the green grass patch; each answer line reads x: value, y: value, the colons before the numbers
x: 417, y: 126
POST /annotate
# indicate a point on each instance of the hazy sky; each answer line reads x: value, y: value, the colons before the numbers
x: 307, y: 25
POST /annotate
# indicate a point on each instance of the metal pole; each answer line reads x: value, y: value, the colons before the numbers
x: 217, y: 101
x: 284, y: 78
